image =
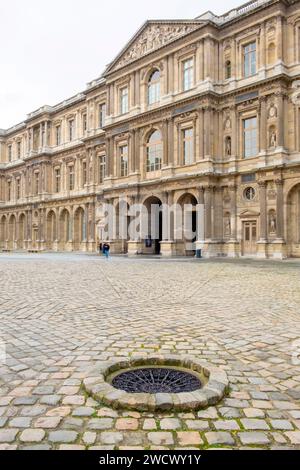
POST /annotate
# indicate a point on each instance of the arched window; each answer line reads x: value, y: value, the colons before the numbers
x: 154, y: 151
x: 227, y: 69
x: 154, y: 87
x: 271, y: 53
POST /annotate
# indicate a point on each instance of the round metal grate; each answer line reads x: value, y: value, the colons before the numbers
x: 156, y: 380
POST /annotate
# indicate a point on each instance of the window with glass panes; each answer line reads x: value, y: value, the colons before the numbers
x: 9, y: 153
x: 19, y: 150
x: 188, y: 74
x: 102, y: 115
x: 84, y: 173
x: 249, y: 53
x: 71, y: 129
x: 71, y: 177
x: 154, y: 88
x: 84, y: 122
x: 123, y: 160
x: 124, y: 100
x: 36, y: 182
x: 188, y: 146
x: 250, y: 137
x: 102, y: 168
x: 57, y: 180
x: 154, y: 152
x: 58, y: 135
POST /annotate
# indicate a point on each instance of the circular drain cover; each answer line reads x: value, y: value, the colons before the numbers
x: 156, y: 380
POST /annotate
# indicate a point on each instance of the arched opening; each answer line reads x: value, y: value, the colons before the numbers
x: 51, y: 230
x: 3, y: 232
x: 65, y: 229
x: 21, y: 237
x: 80, y: 229
x: 152, y: 225
x: 293, y: 221
x: 154, y: 151
x: 186, y: 225
x: 12, y: 232
x: 154, y: 87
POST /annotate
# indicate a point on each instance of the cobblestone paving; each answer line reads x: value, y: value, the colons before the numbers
x: 60, y: 314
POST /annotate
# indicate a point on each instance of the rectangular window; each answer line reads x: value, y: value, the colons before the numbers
x: 124, y: 100
x: 188, y: 146
x: 71, y: 129
x: 9, y: 190
x: 71, y: 177
x: 84, y: 123
x: 58, y: 135
x: 18, y: 188
x: 19, y: 150
x: 102, y: 168
x: 123, y: 160
x: 249, y: 53
x: 57, y: 180
x: 102, y: 115
x: 36, y: 183
x: 250, y: 137
x: 188, y: 74
x: 84, y: 173
x: 10, y: 153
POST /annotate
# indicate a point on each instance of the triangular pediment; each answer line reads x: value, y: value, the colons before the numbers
x: 152, y: 36
x: 247, y: 214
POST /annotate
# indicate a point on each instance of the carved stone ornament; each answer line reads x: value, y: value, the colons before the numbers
x: 154, y: 37
x: 272, y: 111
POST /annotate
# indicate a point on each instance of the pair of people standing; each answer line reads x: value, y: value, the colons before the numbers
x: 105, y: 249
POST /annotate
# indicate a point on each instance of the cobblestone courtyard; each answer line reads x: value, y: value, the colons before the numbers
x: 60, y: 314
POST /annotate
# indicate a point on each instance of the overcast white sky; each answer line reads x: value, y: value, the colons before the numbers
x: 51, y: 49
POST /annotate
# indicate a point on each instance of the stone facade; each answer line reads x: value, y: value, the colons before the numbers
x: 203, y: 112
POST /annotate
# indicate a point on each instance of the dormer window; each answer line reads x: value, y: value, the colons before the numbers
x: 154, y: 88
x: 102, y: 115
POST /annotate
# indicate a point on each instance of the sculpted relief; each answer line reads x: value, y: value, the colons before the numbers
x: 152, y: 38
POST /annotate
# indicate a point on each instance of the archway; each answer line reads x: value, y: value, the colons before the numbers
x: 51, y: 230
x: 79, y: 228
x: 21, y: 237
x: 12, y: 232
x: 186, y: 224
x: 293, y: 221
x: 152, y: 225
x: 3, y: 232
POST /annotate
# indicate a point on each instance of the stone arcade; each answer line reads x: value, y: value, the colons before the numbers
x: 202, y: 111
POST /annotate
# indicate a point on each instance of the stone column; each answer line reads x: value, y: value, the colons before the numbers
x: 279, y: 39
x: 263, y: 210
x: 201, y: 134
x: 263, y: 125
x: 280, y: 120
x: 208, y: 209
x: 168, y: 246
x: 233, y: 244
x: 170, y: 142
x: 132, y: 142
x: 207, y: 124
x: 218, y: 214
x: 279, y: 209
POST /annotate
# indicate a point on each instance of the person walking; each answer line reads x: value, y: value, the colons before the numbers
x: 106, y: 250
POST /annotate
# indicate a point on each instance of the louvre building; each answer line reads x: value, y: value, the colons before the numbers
x: 192, y: 113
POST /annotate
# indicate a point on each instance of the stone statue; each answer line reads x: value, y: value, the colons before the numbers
x: 273, y: 139
x: 227, y: 225
x: 228, y: 146
x: 272, y: 222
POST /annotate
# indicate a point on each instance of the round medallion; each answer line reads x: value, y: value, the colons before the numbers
x: 249, y: 194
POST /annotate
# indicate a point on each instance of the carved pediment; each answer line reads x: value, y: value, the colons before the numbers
x: 152, y: 36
